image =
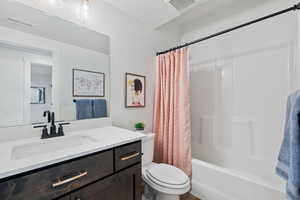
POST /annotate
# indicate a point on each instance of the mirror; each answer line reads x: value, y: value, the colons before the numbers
x: 49, y: 64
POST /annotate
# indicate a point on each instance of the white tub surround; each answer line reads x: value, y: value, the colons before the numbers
x: 23, y: 155
x: 211, y: 182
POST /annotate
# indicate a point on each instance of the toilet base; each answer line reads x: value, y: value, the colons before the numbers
x: 162, y: 196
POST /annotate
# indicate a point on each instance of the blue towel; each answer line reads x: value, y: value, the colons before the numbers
x: 99, y: 108
x: 84, y: 109
x: 288, y: 166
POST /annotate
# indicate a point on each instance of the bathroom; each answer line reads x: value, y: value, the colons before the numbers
x: 148, y: 100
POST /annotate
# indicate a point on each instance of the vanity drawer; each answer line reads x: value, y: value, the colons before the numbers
x: 58, y: 180
x: 128, y: 155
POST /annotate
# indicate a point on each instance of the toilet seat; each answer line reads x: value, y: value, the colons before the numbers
x: 167, y: 179
x: 159, y: 183
x: 168, y: 176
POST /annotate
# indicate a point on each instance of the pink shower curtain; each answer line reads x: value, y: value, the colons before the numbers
x: 172, y: 125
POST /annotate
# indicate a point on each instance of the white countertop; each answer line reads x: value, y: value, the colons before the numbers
x: 101, y: 139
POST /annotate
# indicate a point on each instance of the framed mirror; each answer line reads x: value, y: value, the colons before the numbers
x: 38, y: 61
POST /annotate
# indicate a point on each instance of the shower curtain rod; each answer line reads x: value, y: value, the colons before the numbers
x: 293, y: 8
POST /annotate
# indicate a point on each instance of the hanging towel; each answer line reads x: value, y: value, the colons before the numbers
x: 288, y: 166
x: 99, y: 108
x: 84, y: 109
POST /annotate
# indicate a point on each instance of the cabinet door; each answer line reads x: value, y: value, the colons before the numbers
x: 67, y: 177
x: 128, y: 184
x: 125, y: 185
x: 101, y: 190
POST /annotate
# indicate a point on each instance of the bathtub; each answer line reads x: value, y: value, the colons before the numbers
x: 211, y: 182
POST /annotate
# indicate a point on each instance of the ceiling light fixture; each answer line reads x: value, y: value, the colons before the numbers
x: 84, y: 10
x: 85, y: 5
x: 56, y: 3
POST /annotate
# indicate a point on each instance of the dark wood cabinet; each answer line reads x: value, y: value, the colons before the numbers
x: 101, y: 190
x: 57, y: 180
x: 124, y: 185
x: 127, y: 155
x: 113, y: 174
x: 128, y: 184
x: 64, y: 198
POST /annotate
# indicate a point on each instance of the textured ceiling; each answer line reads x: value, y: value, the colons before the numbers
x: 154, y: 13
x: 211, y: 12
x: 158, y: 14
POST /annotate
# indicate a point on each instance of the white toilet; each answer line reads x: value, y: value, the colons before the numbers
x: 167, y: 181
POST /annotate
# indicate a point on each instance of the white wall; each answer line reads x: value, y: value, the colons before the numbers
x: 133, y: 48
x: 239, y: 85
x: 12, y: 106
x: 77, y: 58
x: 15, y: 85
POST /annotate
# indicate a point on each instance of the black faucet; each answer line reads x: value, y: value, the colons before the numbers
x: 51, y: 120
x: 47, y: 114
x: 52, y: 126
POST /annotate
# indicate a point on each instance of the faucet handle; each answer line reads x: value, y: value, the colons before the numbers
x: 40, y: 126
x: 44, y: 132
x: 61, y: 128
x: 65, y: 123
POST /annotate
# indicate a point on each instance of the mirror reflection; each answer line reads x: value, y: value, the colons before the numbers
x: 41, y: 91
x: 44, y: 69
x: 38, y: 95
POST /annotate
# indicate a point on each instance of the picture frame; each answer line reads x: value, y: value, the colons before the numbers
x: 38, y: 95
x: 135, y: 91
x: 88, y: 83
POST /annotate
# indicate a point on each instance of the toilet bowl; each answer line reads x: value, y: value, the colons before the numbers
x: 168, y: 182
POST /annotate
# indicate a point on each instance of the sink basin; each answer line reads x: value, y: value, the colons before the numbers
x: 49, y: 146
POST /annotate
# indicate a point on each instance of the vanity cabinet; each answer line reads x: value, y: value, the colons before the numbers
x: 103, y: 190
x: 123, y: 186
x: 114, y: 174
x: 129, y: 180
x: 64, y: 198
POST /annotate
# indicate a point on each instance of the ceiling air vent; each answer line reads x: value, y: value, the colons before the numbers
x: 181, y: 4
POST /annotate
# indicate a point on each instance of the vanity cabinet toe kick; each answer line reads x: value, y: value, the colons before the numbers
x: 114, y: 174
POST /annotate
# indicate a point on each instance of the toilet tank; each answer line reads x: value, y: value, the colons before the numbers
x: 148, y: 149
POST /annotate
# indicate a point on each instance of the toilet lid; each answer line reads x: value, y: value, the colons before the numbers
x: 165, y: 185
x: 168, y: 174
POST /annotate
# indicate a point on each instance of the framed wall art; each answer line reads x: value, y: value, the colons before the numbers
x: 135, y: 90
x: 88, y: 83
x: 38, y: 95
